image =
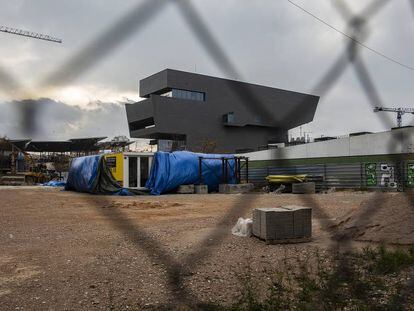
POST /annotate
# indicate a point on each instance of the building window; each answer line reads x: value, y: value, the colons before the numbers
x: 258, y: 120
x: 142, y: 124
x: 167, y: 94
x: 228, y: 118
x: 184, y: 94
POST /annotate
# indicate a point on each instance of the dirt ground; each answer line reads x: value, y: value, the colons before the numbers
x: 69, y: 251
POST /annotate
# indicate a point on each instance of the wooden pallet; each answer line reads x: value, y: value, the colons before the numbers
x: 288, y: 241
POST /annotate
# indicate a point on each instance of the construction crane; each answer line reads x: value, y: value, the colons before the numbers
x: 29, y: 34
x: 399, y: 111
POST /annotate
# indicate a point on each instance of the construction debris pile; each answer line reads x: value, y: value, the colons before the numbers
x: 27, y: 162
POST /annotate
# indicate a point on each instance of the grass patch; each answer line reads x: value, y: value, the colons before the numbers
x: 367, y: 280
x: 385, y: 261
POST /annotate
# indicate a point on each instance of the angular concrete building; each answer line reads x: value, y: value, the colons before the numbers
x: 208, y: 114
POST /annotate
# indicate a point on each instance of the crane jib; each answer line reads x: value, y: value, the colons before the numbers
x: 29, y: 34
x: 399, y: 111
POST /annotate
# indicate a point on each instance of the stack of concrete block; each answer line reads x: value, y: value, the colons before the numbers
x: 302, y: 221
x: 286, y: 224
x: 201, y: 189
x: 12, y: 180
x: 235, y: 188
x: 185, y: 189
x: 303, y: 188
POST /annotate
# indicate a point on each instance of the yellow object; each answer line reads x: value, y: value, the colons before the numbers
x: 34, y: 178
x: 130, y: 169
x: 115, y: 162
x: 286, y: 178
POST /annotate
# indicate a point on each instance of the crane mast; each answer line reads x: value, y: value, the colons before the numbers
x: 399, y: 111
x: 29, y: 34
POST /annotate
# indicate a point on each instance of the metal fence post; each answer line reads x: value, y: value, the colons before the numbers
x: 200, y: 170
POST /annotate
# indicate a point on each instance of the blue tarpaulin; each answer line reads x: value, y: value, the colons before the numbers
x: 90, y: 174
x: 82, y: 173
x: 55, y: 183
x: 170, y: 170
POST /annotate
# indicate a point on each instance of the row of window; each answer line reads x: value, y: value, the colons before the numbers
x: 184, y: 94
x: 229, y: 118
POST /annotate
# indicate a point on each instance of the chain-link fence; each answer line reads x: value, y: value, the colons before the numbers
x: 134, y: 22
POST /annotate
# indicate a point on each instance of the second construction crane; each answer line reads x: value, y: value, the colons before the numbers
x: 399, y: 111
x: 29, y: 34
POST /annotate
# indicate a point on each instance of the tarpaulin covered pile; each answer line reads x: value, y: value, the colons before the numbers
x: 170, y: 170
x: 55, y: 183
x: 91, y: 174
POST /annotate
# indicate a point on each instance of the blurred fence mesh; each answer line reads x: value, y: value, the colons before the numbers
x: 135, y: 21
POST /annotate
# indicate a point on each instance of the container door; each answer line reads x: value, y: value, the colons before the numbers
x: 144, y: 170
x: 136, y: 171
x: 132, y: 172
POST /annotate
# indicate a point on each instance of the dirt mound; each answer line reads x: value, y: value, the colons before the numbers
x: 383, y: 218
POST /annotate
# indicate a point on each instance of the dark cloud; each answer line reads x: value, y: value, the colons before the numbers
x: 57, y: 120
x: 269, y: 42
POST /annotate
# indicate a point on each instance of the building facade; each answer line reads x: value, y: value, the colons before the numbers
x: 201, y: 113
x: 382, y: 160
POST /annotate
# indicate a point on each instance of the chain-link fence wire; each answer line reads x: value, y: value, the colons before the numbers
x: 134, y: 22
x: 376, y: 203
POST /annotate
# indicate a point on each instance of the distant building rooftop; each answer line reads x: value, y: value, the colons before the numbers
x: 89, y: 144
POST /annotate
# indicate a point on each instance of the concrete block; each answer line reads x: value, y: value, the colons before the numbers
x: 272, y: 223
x: 12, y: 180
x: 235, y: 188
x: 302, y: 220
x: 222, y: 188
x: 257, y: 225
x: 185, y: 189
x: 303, y: 188
x: 201, y: 189
x: 283, y: 224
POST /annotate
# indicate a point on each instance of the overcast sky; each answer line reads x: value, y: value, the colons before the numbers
x: 269, y: 42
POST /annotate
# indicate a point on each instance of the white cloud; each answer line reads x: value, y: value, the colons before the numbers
x: 89, y: 97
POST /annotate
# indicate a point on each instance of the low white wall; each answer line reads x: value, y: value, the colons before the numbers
x: 391, y: 142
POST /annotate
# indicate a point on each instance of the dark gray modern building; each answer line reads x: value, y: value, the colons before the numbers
x: 209, y: 114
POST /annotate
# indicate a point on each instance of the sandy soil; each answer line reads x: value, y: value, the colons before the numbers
x: 69, y: 251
